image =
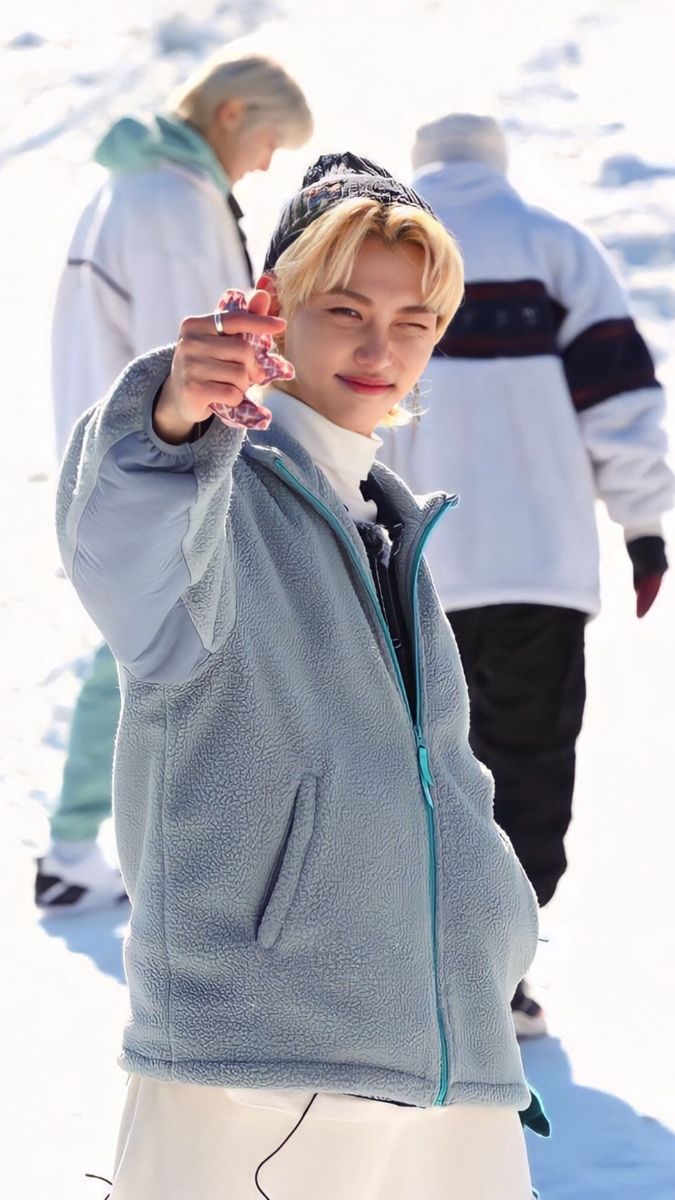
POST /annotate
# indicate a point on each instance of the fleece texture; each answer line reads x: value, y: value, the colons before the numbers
x: 315, y: 904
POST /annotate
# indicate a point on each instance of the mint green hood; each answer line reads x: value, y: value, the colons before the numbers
x: 134, y: 145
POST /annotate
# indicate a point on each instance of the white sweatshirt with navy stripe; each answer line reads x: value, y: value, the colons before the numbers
x: 540, y: 399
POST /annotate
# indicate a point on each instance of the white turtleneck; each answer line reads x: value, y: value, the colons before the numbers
x: 344, y: 457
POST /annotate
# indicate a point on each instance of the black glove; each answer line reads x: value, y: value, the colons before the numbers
x: 648, y: 556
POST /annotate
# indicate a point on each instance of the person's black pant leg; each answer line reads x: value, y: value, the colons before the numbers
x: 524, y: 665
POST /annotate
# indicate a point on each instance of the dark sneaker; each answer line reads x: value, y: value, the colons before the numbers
x: 528, y: 1016
x: 91, y: 883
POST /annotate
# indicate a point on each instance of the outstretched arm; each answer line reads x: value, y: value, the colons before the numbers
x: 144, y: 497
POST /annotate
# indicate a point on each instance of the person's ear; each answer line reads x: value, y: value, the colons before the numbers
x: 267, y: 283
x: 230, y: 114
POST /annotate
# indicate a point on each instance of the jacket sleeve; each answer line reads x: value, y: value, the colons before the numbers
x: 142, y: 529
x: 612, y: 382
x: 90, y: 343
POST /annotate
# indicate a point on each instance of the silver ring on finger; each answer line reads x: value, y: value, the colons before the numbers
x: 218, y: 322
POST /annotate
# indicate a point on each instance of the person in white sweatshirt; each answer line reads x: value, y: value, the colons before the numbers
x: 541, y: 397
x: 160, y: 238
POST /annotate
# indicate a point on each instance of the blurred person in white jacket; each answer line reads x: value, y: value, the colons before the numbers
x: 159, y: 240
x: 541, y: 397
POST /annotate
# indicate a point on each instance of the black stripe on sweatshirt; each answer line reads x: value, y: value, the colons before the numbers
x: 100, y: 274
x: 607, y: 359
x: 503, y: 319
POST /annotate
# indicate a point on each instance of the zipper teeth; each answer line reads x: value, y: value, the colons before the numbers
x: 422, y: 753
x: 443, y: 1081
x: 426, y: 785
x: 450, y: 502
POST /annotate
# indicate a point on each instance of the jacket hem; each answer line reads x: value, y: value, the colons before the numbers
x: 588, y: 602
x: 336, y: 1077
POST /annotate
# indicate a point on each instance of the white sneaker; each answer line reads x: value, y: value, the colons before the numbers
x: 70, y: 887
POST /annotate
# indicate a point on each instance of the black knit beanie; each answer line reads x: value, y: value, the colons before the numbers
x: 331, y: 179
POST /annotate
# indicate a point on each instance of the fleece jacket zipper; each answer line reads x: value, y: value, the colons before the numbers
x: 427, y: 779
x: 422, y: 752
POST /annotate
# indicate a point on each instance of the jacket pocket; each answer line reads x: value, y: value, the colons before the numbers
x: 286, y: 876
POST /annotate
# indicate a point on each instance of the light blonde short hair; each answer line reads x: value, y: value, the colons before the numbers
x: 272, y: 98
x: 322, y: 257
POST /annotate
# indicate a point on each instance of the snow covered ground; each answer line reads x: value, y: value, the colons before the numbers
x: 585, y: 91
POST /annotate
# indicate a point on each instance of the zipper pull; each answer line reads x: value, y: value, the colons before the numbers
x: 425, y: 771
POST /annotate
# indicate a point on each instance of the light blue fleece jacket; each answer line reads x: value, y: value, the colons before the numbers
x: 321, y: 898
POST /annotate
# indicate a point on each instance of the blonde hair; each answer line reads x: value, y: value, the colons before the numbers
x: 272, y: 98
x: 322, y: 257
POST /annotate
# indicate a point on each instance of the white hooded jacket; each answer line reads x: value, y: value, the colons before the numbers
x: 158, y: 242
x: 540, y: 398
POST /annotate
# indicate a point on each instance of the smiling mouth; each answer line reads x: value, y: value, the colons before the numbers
x: 365, y: 387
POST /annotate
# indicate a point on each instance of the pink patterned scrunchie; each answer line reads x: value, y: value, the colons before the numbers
x: 248, y: 414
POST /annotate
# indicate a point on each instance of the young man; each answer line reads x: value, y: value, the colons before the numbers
x: 540, y: 397
x: 159, y: 239
x: 327, y: 924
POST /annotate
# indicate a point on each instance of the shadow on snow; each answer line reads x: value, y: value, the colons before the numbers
x: 600, y: 1147
x: 98, y: 935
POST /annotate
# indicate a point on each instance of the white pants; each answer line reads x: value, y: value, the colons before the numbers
x: 180, y: 1141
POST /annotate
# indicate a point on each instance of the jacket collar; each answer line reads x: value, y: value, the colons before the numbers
x: 273, y: 446
x: 135, y: 145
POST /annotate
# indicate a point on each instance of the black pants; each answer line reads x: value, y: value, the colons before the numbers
x: 524, y: 666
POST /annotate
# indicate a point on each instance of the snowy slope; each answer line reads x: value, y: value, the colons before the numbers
x: 585, y: 91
